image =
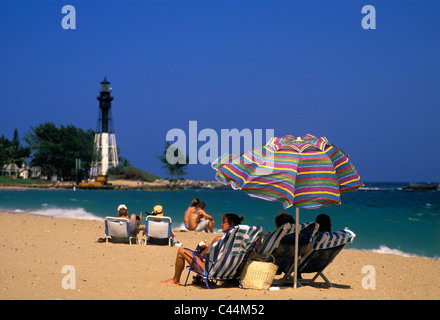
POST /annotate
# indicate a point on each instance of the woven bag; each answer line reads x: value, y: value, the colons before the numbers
x: 258, y: 274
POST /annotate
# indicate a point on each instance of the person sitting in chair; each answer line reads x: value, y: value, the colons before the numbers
x: 158, y: 212
x: 229, y: 220
x: 325, y: 224
x: 285, y: 253
x: 133, y: 221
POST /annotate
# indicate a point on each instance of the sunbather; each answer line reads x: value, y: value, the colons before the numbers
x: 325, y: 225
x: 285, y: 253
x: 190, y: 210
x: 199, y: 220
x: 134, y: 222
x: 229, y: 220
x: 158, y: 212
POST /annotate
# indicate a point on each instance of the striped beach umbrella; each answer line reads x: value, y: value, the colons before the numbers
x: 307, y: 172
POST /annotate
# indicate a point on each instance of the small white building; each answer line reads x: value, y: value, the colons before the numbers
x: 12, y: 170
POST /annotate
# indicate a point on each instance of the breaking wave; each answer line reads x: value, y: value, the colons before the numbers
x: 71, y: 213
x: 386, y: 250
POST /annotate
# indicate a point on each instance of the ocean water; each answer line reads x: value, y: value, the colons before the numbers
x: 384, y: 217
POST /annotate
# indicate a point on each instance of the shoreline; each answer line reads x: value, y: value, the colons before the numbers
x: 381, y: 250
x: 157, y: 185
x: 36, y: 248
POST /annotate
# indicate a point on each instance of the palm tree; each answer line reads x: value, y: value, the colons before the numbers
x: 174, y: 160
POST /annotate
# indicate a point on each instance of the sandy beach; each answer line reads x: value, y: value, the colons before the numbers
x: 36, y: 250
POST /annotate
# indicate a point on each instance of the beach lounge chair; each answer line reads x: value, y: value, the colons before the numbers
x: 158, y: 231
x: 326, y: 246
x: 224, y: 257
x: 283, y: 252
x: 117, y: 230
x: 272, y: 241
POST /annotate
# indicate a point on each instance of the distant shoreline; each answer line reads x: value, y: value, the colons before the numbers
x: 175, y: 184
x: 157, y: 185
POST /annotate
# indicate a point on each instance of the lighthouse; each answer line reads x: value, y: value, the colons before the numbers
x: 105, y: 153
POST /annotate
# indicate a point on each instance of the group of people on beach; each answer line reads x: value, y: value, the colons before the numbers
x: 230, y: 220
x: 135, y: 221
x: 197, y: 219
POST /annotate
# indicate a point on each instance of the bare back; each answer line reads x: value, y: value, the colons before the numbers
x: 193, y: 219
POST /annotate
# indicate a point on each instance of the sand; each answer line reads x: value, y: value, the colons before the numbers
x: 35, y: 250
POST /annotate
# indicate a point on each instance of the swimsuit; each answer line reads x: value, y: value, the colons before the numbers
x: 202, y: 225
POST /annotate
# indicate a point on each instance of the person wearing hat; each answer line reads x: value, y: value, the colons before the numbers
x: 134, y: 223
x: 158, y: 212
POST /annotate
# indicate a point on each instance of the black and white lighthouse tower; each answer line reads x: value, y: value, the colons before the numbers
x: 105, y: 153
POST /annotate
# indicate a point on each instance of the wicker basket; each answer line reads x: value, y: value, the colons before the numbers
x: 258, y: 275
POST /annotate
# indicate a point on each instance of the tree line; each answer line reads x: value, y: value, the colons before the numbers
x: 53, y: 149
x: 56, y: 151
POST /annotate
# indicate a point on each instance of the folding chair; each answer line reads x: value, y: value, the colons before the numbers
x: 272, y: 241
x: 158, y: 231
x: 226, y: 255
x: 326, y: 246
x: 117, y: 230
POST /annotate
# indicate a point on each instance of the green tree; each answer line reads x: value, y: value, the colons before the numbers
x: 12, y: 152
x: 55, y: 149
x: 5, y: 143
x: 174, y: 161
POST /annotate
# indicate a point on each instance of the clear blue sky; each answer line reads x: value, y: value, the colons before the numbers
x: 296, y: 67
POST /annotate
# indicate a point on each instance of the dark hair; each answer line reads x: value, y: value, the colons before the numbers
x: 233, y: 218
x: 202, y: 205
x: 325, y: 225
x: 283, y: 218
x: 195, y: 202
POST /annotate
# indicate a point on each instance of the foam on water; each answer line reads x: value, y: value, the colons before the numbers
x: 385, y: 250
x: 73, y: 213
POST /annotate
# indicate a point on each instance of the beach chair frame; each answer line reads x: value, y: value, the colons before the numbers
x: 320, y: 271
x: 302, y: 267
x: 199, y: 270
x: 323, y: 243
x: 118, y: 228
x: 150, y: 239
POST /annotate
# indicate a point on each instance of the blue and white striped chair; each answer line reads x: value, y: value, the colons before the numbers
x: 226, y: 255
x: 326, y: 246
x: 272, y: 241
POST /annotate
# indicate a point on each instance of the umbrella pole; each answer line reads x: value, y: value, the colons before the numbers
x: 295, y: 278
